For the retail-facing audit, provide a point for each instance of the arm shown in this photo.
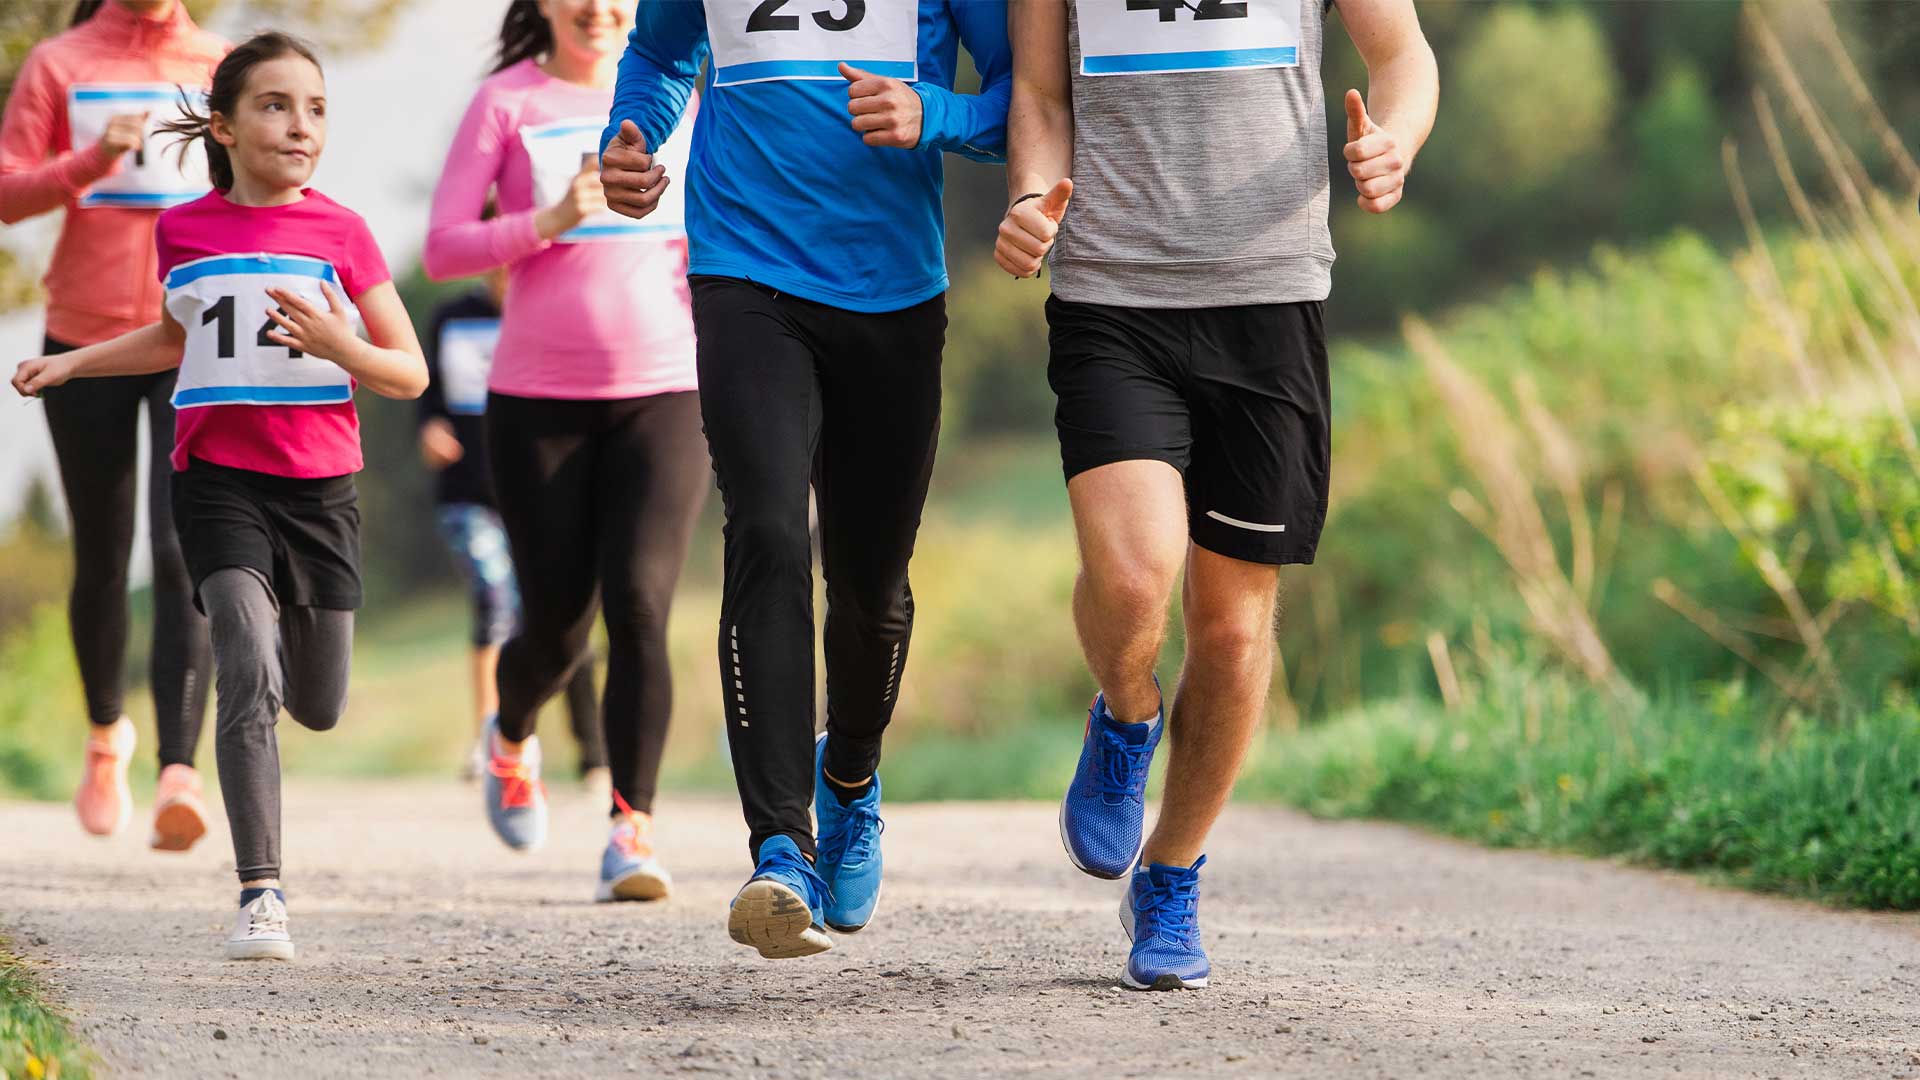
(1039, 137)
(33, 179)
(973, 125)
(1386, 131)
(138, 352)
(459, 244)
(389, 363)
(663, 58)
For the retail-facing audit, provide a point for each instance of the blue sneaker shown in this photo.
(515, 799)
(849, 857)
(778, 910)
(1102, 816)
(1161, 913)
(629, 870)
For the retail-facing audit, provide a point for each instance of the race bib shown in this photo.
(466, 358)
(768, 40)
(222, 302)
(559, 151)
(1152, 37)
(155, 176)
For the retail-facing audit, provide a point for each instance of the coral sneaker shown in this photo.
(104, 802)
(629, 870)
(179, 810)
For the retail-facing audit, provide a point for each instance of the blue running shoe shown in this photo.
(1101, 818)
(629, 869)
(1161, 913)
(778, 910)
(516, 800)
(849, 858)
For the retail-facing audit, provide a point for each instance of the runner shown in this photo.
(77, 136)
(819, 287)
(260, 275)
(460, 347)
(1192, 432)
(593, 426)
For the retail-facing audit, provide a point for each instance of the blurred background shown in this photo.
(1624, 553)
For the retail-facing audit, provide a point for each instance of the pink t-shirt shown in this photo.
(281, 440)
(581, 320)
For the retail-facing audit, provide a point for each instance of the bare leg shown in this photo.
(486, 687)
(1223, 692)
(1131, 519)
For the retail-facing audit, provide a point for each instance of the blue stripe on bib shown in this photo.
(264, 265)
(263, 395)
(1191, 61)
(809, 69)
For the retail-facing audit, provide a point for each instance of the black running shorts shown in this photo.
(1235, 398)
(301, 535)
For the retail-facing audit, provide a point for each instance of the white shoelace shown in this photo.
(266, 916)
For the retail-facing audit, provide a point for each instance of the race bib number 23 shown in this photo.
(1154, 37)
(769, 40)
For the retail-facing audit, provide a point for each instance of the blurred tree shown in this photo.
(1674, 132)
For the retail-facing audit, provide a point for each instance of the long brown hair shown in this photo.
(84, 10)
(525, 34)
(229, 82)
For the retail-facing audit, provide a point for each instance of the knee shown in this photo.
(762, 541)
(635, 619)
(1135, 584)
(1229, 640)
(316, 712)
(100, 578)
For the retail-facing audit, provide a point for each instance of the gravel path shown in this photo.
(1339, 950)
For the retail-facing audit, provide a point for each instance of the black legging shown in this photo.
(597, 494)
(95, 426)
(797, 393)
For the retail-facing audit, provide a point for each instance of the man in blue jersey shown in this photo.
(819, 296)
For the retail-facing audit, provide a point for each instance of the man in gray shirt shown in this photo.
(1171, 155)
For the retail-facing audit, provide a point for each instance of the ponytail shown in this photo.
(525, 34)
(84, 10)
(229, 83)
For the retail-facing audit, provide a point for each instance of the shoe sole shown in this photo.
(838, 929)
(1169, 981)
(639, 885)
(775, 920)
(259, 950)
(177, 826)
(1088, 870)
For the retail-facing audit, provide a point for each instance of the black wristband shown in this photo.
(1024, 198)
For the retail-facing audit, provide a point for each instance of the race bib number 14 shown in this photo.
(222, 302)
(155, 176)
(1153, 37)
(769, 40)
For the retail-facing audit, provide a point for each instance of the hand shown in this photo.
(1373, 157)
(439, 446)
(304, 328)
(632, 182)
(125, 134)
(583, 198)
(886, 112)
(1028, 231)
(35, 375)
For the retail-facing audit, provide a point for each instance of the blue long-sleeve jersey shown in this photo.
(781, 190)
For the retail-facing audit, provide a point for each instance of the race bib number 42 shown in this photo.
(1153, 37)
(155, 176)
(768, 40)
(229, 360)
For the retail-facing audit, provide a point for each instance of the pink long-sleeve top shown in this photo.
(103, 280)
(582, 320)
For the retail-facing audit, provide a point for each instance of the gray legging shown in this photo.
(265, 657)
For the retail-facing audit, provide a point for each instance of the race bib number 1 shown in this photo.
(1154, 37)
(155, 176)
(769, 40)
(229, 360)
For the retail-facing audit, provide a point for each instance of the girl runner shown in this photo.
(461, 339)
(76, 137)
(259, 276)
(593, 425)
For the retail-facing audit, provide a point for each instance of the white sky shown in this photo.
(393, 114)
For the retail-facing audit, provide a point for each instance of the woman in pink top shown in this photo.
(593, 423)
(77, 136)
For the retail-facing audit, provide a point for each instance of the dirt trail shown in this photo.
(1338, 951)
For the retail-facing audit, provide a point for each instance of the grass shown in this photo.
(36, 1041)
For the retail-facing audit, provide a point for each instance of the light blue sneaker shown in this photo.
(515, 799)
(1102, 816)
(1161, 914)
(778, 910)
(849, 856)
(629, 869)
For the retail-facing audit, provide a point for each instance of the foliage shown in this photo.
(41, 710)
(36, 1041)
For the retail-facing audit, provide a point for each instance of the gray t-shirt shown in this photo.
(1199, 180)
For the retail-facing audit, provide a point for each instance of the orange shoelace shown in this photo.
(517, 785)
(633, 840)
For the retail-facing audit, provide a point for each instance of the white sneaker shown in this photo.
(476, 763)
(260, 930)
